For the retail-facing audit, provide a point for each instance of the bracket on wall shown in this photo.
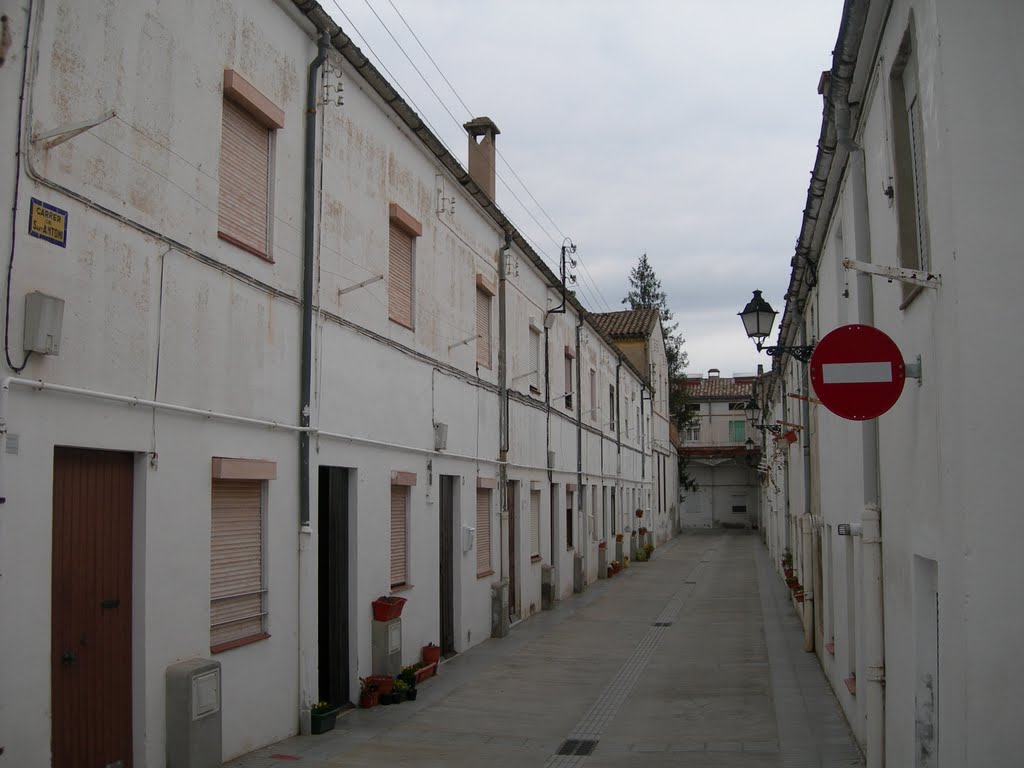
(59, 135)
(357, 286)
(899, 274)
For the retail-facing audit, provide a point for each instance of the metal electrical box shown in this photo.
(386, 647)
(194, 714)
(44, 318)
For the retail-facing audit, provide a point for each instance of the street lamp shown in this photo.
(758, 318)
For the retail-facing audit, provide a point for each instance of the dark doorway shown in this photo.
(332, 524)
(447, 562)
(512, 594)
(91, 624)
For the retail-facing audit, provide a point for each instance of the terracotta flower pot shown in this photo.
(387, 608)
(431, 653)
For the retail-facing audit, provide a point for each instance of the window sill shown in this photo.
(851, 685)
(485, 574)
(536, 558)
(402, 323)
(239, 244)
(231, 644)
(401, 587)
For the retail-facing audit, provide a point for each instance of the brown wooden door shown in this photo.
(447, 572)
(513, 595)
(91, 649)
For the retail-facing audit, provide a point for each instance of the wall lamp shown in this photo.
(751, 411)
(758, 318)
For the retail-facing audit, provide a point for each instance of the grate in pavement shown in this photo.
(577, 747)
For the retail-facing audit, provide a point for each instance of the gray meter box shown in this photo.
(44, 319)
(194, 714)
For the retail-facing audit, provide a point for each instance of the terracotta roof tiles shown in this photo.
(628, 323)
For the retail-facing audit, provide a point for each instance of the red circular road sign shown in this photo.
(857, 372)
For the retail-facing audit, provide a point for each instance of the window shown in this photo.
(535, 523)
(909, 171)
(237, 587)
(593, 394)
(399, 535)
(483, 532)
(483, 328)
(604, 513)
(737, 406)
(568, 519)
(535, 360)
(611, 407)
(484, 292)
(568, 382)
(404, 230)
(593, 511)
(243, 198)
(615, 522)
(737, 431)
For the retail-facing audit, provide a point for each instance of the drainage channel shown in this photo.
(586, 734)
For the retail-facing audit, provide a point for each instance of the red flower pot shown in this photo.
(425, 672)
(387, 608)
(367, 700)
(382, 684)
(432, 653)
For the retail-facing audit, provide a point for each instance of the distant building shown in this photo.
(719, 459)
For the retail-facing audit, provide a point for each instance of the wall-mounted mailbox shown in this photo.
(468, 538)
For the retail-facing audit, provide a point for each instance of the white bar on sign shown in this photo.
(856, 373)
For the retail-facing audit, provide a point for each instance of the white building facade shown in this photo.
(911, 228)
(279, 368)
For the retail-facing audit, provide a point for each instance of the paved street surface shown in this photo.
(692, 659)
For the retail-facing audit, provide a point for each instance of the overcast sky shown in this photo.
(685, 130)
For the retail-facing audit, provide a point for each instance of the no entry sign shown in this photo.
(857, 372)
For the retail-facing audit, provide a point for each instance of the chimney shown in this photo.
(714, 373)
(482, 132)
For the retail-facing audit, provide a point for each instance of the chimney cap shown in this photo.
(481, 126)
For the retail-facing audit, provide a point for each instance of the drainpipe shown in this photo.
(502, 404)
(308, 224)
(871, 518)
(307, 596)
(807, 521)
(584, 539)
(618, 437)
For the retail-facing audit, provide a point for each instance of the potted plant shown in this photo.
(386, 608)
(625, 561)
(322, 716)
(424, 670)
(368, 695)
(382, 684)
(400, 691)
(648, 549)
(616, 566)
(618, 537)
(639, 513)
(602, 544)
(431, 653)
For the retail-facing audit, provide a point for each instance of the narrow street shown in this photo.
(694, 658)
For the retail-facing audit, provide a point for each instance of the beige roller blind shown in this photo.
(243, 202)
(400, 276)
(483, 530)
(236, 561)
(399, 539)
(534, 522)
(483, 329)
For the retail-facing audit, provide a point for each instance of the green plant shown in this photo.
(408, 675)
(400, 686)
(321, 707)
(648, 549)
(787, 558)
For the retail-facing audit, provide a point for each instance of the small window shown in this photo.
(238, 612)
(483, 329)
(909, 163)
(737, 431)
(402, 234)
(483, 532)
(248, 122)
(611, 407)
(739, 509)
(534, 372)
(693, 433)
(535, 523)
(593, 394)
(568, 383)
(737, 406)
(399, 535)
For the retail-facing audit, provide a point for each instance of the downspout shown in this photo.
(807, 528)
(502, 402)
(618, 437)
(308, 224)
(547, 403)
(871, 517)
(307, 555)
(584, 546)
